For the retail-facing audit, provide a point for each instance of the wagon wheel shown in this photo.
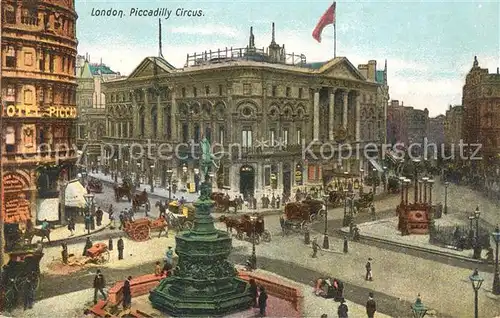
(141, 233)
(10, 299)
(104, 257)
(19, 282)
(313, 217)
(266, 236)
(304, 226)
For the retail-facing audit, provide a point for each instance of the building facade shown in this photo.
(91, 104)
(436, 130)
(38, 95)
(406, 124)
(453, 125)
(481, 106)
(260, 108)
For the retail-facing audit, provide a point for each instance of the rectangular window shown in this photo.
(185, 133)
(274, 91)
(288, 92)
(311, 172)
(285, 136)
(272, 137)
(247, 89)
(220, 90)
(197, 133)
(300, 92)
(207, 90)
(183, 92)
(226, 176)
(51, 63)
(267, 176)
(221, 135)
(299, 136)
(10, 57)
(11, 91)
(28, 97)
(246, 136)
(28, 59)
(195, 92)
(42, 62)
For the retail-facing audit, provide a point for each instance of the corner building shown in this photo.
(263, 105)
(38, 95)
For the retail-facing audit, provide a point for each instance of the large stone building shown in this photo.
(406, 124)
(263, 106)
(39, 96)
(481, 105)
(436, 130)
(91, 103)
(453, 125)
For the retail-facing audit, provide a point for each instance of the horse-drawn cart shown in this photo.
(246, 230)
(180, 216)
(364, 202)
(141, 200)
(299, 215)
(98, 253)
(140, 229)
(94, 185)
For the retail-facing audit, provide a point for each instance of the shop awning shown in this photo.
(48, 209)
(74, 195)
(376, 165)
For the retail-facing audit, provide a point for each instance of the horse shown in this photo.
(231, 223)
(140, 199)
(161, 225)
(162, 207)
(223, 203)
(122, 191)
(31, 232)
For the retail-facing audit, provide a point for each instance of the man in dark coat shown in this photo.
(64, 253)
(127, 293)
(343, 309)
(262, 301)
(278, 201)
(98, 215)
(29, 290)
(99, 284)
(88, 244)
(120, 246)
(253, 292)
(371, 306)
(346, 245)
(368, 268)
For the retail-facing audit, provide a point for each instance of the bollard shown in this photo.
(307, 238)
(110, 244)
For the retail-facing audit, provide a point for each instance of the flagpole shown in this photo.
(335, 33)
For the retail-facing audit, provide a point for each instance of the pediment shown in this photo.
(341, 68)
(151, 66)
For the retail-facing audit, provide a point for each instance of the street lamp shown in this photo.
(402, 181)
(116, 169)
(196, 178)
(184, 174)
(361, 170)
(374, 183)
(346, 221)
(477, 213)
(424, 180)
(89, 200)
(476, 281)
(418, 309)
(138, 181)
(496, 278)
(253, 258)
(169, 176)
(151, 183)
(446, 184)
(385, 178)
(430, 183)
(326, 243)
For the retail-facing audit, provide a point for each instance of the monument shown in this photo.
(204, 283)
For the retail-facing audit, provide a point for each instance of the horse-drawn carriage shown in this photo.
(98, 253)
(180, 216)
(364, 202)
(223, 203)
(140, 229)
(299, 215)
(94, 185)
(393, 184)
(124, 190)
(141, 200)
(245, 229)
(22, 266)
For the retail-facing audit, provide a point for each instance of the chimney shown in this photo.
(363, 69)
(402, 103)
(372, 69)
(498, 70)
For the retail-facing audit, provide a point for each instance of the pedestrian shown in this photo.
(324, 316)
(372, 209)
(45, 225)
(158, 271)
(315, 247)
(282, 224)
(87, 221)
(346, 245)
(71, 226)
(29, 290)
(371, 306)
(368, 267)
(120, 246)
(262, 301)
(92, 222)
(88, 244)
(122, 220)
(110, 244)
(64, 253)
(127, 293)
(343, 309)
(99, 284)
(253, 292)
(278, 201)
(98, 215)
(169, 256)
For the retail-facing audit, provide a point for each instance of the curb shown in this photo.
(76, 237)
(417, 248)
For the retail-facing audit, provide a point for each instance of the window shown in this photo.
(285, 136)
(185, 133)
(10, 15)
(28, 59)
(195, 92)
(247, 89)
(42, 62)
(197, 133)
(11, 90)
(299, 136)
(246, 136)
(221, 134)
(226, 176)
(220, 90)
(272, 136)
(267, 176)
(10, 139)
(207, 90)
(28, 97)
(288, 92)
(183, 92)
(274, 90)
(311, 173)
(300, 92)
(10, 58)
(51, 63)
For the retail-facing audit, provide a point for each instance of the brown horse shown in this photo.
(223, 203)
(141, 199)
(231, 223)
(31, 232)
(122, 191)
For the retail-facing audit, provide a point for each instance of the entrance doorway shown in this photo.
(287, 178)
(247, 180)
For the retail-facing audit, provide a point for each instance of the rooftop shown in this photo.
(99, 68)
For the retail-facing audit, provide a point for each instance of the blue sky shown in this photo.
(429, 45)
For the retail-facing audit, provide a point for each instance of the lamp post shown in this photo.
(137, 177)
(385, 178)
(326, 243)
(361, 172)
(477, 214)
(425, 180)
(116, 169)
(184, 171)
(418, 309)
(420, 190)
(169, 176)
(89, 200)
(476, 281)
(151, 179)
(196, 179)
(345, 222)
(253, 258)
(374, 182)
(430, 183)
(402, 181)
(126, 167)
(496, 278)
(407, 183)
(446, 184)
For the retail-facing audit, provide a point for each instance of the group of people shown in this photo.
(100, 284)
(259, 297)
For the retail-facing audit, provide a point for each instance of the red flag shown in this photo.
(327, 18)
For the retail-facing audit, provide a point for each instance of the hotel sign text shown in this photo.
(35, 112)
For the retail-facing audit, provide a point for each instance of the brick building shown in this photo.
(436, 130)
(406, 124)
(453, 125)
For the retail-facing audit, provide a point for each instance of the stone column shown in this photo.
(173, 114)
(316, 115)
(344, 113)
(128, 129)
(233, 135)
(160, 122)
(358, 116)
(331, 114)
(147, 115)
(135, 116)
